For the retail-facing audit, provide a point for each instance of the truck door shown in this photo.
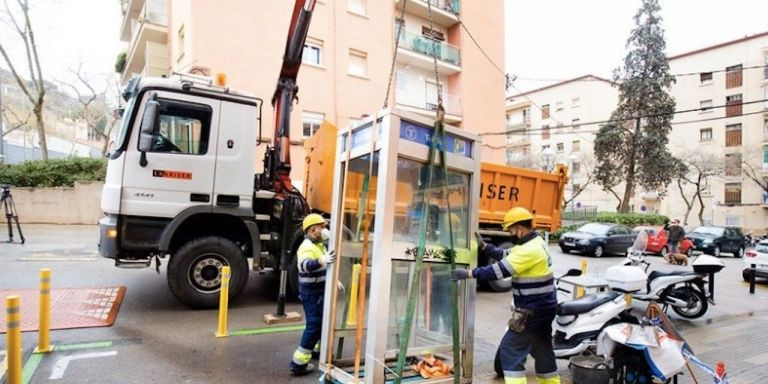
(179, 168)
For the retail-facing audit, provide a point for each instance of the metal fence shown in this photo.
(579, 214)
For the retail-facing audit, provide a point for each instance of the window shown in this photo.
(705, 106)
(765, 128)
(732, 193)
(183, 128)
(733, 105)
(543, 147)
(576, 167)
(733, 76)
(358, 63)
(576, 187)
(559, 106)
(733, 135)
(576, 146)
(705, 134)
(313, 52)
(765, 95)
(575, 123)
(765, 156)
(545, 133)
(527, 150)
(311, 121)
(433, 34)
(356, 6)
(575, 102)
(545, 111)
(560, 147)
(733, 164)
(402, 81)
(705, 77)
(732, 221)
(765, 68)
(527, 116)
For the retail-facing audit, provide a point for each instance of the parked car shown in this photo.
(758, 257)
(598, 239)
(715, 240)
(657, 239)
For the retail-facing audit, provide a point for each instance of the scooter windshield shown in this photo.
(640, 242)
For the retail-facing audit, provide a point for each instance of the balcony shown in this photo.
(417, 50)
(443, 11)
(146, 24)
(419, 102)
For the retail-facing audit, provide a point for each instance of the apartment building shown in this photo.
(728, 82)
(347, 58)
(546, 126)
(145, 29)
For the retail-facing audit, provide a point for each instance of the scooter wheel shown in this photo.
(697, 302)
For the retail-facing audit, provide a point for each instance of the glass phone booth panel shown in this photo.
(388, 177)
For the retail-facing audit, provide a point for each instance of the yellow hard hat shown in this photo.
(312, 219)
(516, 215)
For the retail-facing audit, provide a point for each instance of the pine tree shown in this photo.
(632, 147)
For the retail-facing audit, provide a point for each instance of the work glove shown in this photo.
(461, 274)
(480, 241)
(340, 286)
(328, 257)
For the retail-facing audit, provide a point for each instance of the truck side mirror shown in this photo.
(148, 127)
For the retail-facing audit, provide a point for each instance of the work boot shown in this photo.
(302, 370)
(315, 355)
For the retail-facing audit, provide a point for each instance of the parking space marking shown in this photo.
(61, 364)
(30, 366)
(3, 363)
(264, 330)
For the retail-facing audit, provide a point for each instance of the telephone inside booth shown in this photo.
(386, 183)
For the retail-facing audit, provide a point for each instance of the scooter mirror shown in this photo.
(573, 272)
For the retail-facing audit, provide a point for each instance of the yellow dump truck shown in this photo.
(501, 188)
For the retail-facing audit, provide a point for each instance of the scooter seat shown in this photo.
(585, 304)
(656, 274)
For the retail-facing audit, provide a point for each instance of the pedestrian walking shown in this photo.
(312, 257)
(675, 235)
(535, 298)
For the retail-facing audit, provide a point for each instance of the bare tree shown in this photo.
(749, 170)
(694, 171)
(94, 110)
(35, 92)
(586, 168)
(16, 120)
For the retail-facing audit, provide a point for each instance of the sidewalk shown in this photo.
(741, 342)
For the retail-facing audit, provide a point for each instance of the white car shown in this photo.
(759, 257)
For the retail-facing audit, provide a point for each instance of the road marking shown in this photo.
(61, 365)
(261, 331)
(31, 366)
(3, 363)
(56, 258)
(96, 344)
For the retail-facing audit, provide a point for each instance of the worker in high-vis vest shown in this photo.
(313, 259)
(535, 298)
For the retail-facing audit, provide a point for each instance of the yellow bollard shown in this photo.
(628, 299)
(44, 328)
(13, 338)
(223, 302)
(353, 288)
(580, 290)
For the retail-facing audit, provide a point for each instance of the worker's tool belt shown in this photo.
(520, 318)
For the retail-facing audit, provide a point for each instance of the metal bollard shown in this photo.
(13, 338)
(580, 290)
(44, 328)
(223, 302)
(354, 286)
(752, 278)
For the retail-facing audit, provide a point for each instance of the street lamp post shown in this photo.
(548, 154)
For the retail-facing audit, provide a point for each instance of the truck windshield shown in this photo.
(123, 131)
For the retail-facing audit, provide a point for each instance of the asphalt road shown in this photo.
(155, 339)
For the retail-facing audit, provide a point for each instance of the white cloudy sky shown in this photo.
(557, 39)
(564, 39)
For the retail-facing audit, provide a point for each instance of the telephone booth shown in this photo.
(381, 173)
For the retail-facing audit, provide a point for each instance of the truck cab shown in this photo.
(181, 183)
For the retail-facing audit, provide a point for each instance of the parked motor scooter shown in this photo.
(689, 293)
(579, 322)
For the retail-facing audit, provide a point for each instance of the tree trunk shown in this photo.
(688, 204)
(629, 189)
(38, 110)
(701, 210)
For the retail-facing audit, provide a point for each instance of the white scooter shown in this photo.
(687, 292)
(579, 322)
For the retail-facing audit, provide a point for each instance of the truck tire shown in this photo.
(194, 272)
(503, 285)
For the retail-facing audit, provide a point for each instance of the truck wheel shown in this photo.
(194, 272)
(503, 285)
